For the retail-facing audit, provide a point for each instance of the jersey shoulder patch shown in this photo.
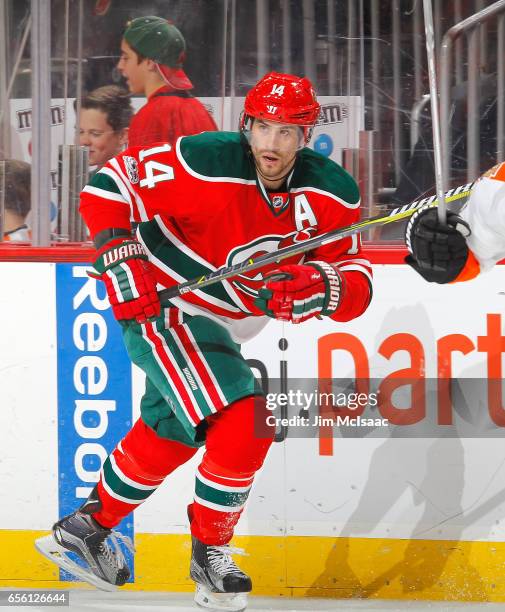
(216, 154)
(316, 171)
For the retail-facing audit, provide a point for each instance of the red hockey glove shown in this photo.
(131, 287)
(311, 289)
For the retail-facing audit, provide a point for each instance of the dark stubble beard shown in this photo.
(281, 177)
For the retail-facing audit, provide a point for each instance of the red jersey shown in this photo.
(201, 206)
(167, 115)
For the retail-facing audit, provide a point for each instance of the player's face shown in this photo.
(133, 71)
(97, 134)
(274, 146)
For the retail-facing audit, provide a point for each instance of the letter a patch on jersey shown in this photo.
(304, 215)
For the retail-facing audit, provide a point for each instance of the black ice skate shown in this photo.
(105, 565)
(220, 584)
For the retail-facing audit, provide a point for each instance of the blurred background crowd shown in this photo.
(122, 73)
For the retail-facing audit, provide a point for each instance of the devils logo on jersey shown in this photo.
(251, 282)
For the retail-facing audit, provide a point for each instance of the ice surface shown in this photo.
(127, 601)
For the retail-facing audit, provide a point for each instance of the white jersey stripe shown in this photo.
(218, 507)
(193, 370)
(365, 262)
(327, 194)
(115, 284)
(195, 361)
(217, 387)
(104, 194)
(195, 257)
(138, 200)
(123, 188)
(124, 266)
(172, 238)
(210, 299)
(356, 268)
(124, 478)
(176, 372)
(164, 370)
(221, 487)
(249, 479)
(126, 500)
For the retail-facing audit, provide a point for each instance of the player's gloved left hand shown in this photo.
(131, 287)
(438, 252)
(308, 290)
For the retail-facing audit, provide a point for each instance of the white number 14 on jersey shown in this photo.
(163, 172)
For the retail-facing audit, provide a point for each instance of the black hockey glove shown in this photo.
(438, 252)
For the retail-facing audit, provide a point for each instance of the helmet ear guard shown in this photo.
(307, 133)
(244, 122)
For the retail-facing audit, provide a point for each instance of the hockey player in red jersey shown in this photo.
(152, 56)
(209, 201)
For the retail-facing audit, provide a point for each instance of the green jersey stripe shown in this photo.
(135, 196)
(173, 261)
(222, 498)
(209, 372)
(198, 161)
(315, 303)
(224, 488)
(184, 248)
(165, 360)
(193, 371)
(192, 384)
(216, 506)
(104, 182)
(121, 488)
(122, 476)
(122, 188)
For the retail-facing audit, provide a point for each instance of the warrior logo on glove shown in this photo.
(303, 292)
(123, 266)
(126, 250)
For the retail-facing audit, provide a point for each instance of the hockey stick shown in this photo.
(435, 122)
(248, 265)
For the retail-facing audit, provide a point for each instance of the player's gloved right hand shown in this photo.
(301, 292)
(438, 252)
(131, 287)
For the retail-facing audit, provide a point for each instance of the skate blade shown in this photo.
(50, 548)
(230, 602)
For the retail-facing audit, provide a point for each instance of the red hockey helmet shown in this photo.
(283, 98)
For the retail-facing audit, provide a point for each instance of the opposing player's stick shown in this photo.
(435, 121)
(311, 243)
